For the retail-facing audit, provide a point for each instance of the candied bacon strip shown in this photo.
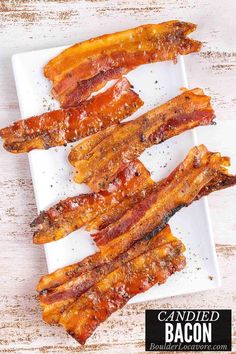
(100, 163)
(107, 254)
(112, 292)
(86, 67)
(113, 249)
(189, 180)
(68, 125)
(197, 157)
(55, 300)
(221, 181)
(109, 216)
(95, 261)
(72, 213)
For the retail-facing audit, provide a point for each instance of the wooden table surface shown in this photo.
(29, 25)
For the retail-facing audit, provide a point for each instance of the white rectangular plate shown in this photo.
(52, 174)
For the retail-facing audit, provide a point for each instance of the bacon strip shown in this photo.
(86, 67)
(118, 287)
(83, 295)
(72, 213)
(100, 162)
(201, 173)
(98, 211)
(194, 177)
(68, 125)
(54, 301)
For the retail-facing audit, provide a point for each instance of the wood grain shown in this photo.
(29, 25)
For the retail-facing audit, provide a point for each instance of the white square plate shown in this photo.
(52, 174)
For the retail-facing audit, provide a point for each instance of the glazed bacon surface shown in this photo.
(63, 126)
(87, 66)
(118, 287)
(200, 173)
(56, 299)
(98, 160)
(94, 209)
(144, 260)
(136, 251)
(100, 211)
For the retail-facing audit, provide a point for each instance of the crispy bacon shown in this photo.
(98, 211)
(201, 173)
(101, 211)
(72, 213)
(197, 175)
(68, 125)
(118, 287)
(86, 67)
(138, 254)
(54, 301)
(104, 158)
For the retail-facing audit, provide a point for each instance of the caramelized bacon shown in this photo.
(54, 301)
(197, 175)
(72, 213)
(86, 67)
(101, 211)
(141, 251)
(114, 211)
(103, 158)
(118, 287)
(68, 125)
(201, 173)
